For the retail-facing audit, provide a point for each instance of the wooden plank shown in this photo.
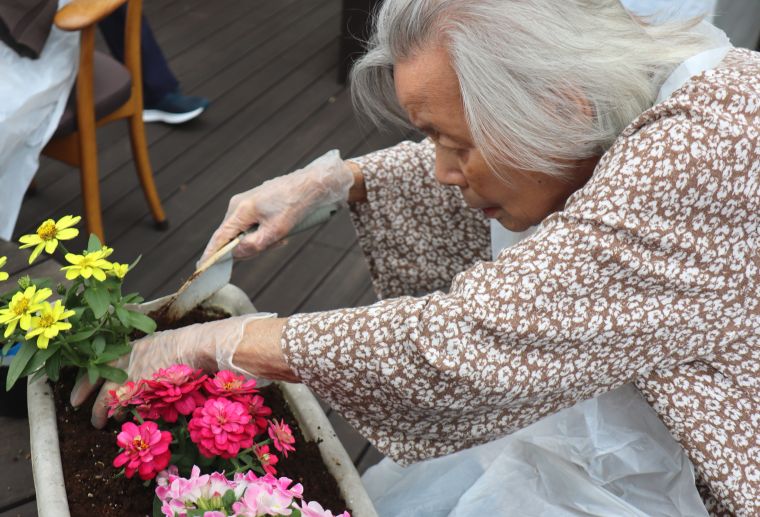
(352, 441)
(341, 287)
(16, 481)
(370, 457)
(205, 199)
(25, 510)
(262, 67)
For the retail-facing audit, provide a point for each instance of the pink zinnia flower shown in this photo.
(128, 394)
(281, 436)
(314, 509)
(174, 391)
(230, 385)
(266, 458)
(221, 427)
(145, 449)
(259, 412)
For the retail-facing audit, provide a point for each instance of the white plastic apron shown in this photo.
(608, 456)
(33, 94)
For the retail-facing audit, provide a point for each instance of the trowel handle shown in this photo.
(318, 216)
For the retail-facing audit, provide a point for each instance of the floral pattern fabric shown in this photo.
(649, 275)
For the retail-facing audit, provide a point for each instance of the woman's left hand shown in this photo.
(208, 346)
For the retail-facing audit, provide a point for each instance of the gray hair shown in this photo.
(543, 82)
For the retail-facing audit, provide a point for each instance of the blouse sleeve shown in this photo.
(415, 233)
(649, 266)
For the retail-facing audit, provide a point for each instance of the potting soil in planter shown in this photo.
(92, 484)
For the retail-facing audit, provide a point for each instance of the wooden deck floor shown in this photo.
(270, 71)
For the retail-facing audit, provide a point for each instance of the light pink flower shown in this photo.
(174, 391)
(178, 495)
(230, 385)
(314, 509)
(145, 449)
(262, 498)
(221, 428)
(128, 394)
(281, 436)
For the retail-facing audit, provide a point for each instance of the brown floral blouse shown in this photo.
(649, 275)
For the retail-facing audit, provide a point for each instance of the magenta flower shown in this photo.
(231, 385)
(221, 427)
(266, 458)
(259, 412)
(128, 394)
(174, 391)
(281, 436)
(145, 449)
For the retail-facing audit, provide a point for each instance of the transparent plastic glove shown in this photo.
(209, 346)
(279, 204)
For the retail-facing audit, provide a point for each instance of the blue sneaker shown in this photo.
(175, 108)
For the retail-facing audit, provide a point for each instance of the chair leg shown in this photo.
(91, 186)
(144, 170)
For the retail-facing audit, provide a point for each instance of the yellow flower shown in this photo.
(22, 306)
(49, 323)
(92, 264)
(119, 270)
(3, 274)
(48, 235)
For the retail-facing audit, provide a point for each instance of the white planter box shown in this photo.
(46, 457)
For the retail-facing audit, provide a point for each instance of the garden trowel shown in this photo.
(215, 272)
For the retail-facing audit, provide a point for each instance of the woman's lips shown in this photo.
(491, 211)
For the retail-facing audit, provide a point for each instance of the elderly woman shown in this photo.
(632, 153)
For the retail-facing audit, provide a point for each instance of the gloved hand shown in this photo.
(279, 204)
(209, 346)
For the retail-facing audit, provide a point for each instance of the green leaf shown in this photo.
(39, 359)
(80, 336)
(92, 373)
(98, 345)
(133, 298)
(123, 315)
(157, 507)
(142, 322)
(94, 243)
(23, 356)
(98, 299)
(53, 367)
(228, 498)
(246, 458)
(295, 513)
(7, 346)
(112, 374)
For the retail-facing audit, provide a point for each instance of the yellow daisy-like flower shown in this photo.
(3, 274)
(48, 235)
(92, 264)
(49, 323)
(119, 270)
(21, 307)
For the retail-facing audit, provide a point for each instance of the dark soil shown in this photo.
(92, 484)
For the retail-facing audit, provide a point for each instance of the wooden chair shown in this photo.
(105, 91)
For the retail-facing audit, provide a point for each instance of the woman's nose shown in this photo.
(447, 169)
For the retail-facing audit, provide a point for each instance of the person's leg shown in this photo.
(158, 79)
(162, 99)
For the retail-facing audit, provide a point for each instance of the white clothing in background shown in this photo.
(33, 94)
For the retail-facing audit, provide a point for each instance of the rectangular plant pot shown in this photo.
(46, 456)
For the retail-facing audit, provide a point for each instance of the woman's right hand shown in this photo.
(279, 204)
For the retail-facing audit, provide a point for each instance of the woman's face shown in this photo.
(428, 89)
